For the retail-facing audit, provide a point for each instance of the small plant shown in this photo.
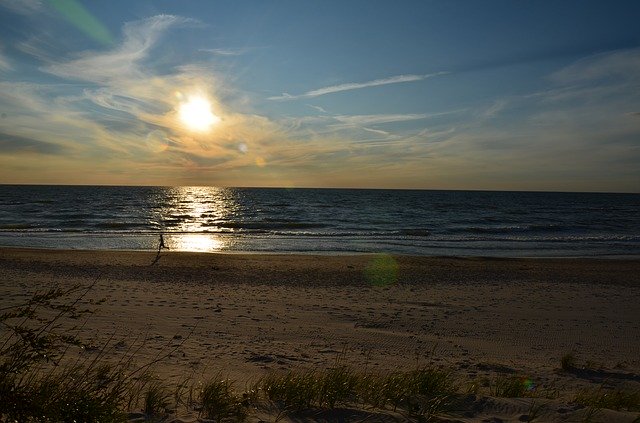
(156, 400)
(372, 390)
(534, 411)
(292, 390)
(428, 392)
(220, 402)
(511, 387)
(337, 385)
(183, 393)
(568, 362)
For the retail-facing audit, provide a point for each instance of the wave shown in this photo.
(267, 225)
(509, 229)
(416, 232)
(16, 226)
(119, 225)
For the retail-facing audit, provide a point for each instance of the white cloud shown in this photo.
(623, 64)
(495, 108)
(357, 85)
(318, 108)
(225, 51)
(357, 120)
(103, 67)
(378, 119)
(4, 63)
(377, 131)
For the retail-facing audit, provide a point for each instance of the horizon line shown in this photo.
(326, 188)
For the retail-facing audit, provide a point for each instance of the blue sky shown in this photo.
(530, 95)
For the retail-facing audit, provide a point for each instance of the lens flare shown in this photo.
(382, 271)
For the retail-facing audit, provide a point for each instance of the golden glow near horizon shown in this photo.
(196, 113)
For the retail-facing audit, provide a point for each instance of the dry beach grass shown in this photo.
(498, 327)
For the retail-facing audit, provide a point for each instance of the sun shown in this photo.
(196, 114)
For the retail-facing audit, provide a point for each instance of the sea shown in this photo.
(324, 221)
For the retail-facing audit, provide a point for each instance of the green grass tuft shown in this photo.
(292, 390)
(219, 402)
(422, 393)
(157, 400)
(510, 387)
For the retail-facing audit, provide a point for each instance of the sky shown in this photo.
(491, 95)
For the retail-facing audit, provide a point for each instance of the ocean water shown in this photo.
(327, 221)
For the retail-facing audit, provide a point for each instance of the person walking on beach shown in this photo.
(160, 247)
(162, 244)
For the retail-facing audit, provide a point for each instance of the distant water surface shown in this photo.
(468, 223)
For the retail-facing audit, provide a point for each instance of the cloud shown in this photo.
(110, 117)
(4, 63)
(378, 119)
(318, 108)
(12, 144)
(114, 119)
(104, 67)
(356, 86)
(377, 131)
(493, 110)
(621, 64)
(23, 7)
(225, 51)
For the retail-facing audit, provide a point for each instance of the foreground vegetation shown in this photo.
(39, 382)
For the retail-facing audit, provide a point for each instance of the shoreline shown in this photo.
(246, 315)
(346, 253)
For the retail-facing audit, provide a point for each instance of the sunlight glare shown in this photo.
(196, 114)
(200, 243)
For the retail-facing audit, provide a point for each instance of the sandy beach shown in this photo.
(243, 315)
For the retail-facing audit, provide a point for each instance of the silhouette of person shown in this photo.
(162, 244)
(160, 247)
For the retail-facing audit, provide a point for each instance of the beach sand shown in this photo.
(243, 315)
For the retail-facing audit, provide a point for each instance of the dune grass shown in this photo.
(510, 387)
(48, 374)
(612, 399)
(423, 392)
(157, 399)
(219, 401)
(34, 385)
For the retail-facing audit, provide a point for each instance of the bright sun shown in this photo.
(196, 114)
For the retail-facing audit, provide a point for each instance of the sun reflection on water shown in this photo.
(201, 243)
(192, 218)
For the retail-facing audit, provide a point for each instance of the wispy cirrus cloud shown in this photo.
(620, 64)
(318, 108)
(123, 61)
(388, 118)
(398, 79)
(225, 51)
(24, 7)
(4, 63)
